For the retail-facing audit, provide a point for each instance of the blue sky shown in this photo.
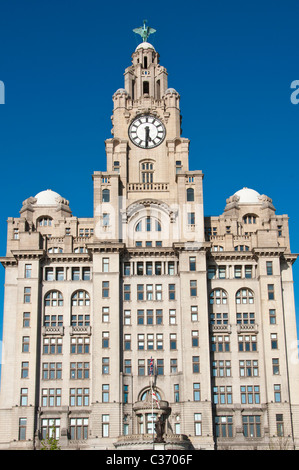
(232, 63)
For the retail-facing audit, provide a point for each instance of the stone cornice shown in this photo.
(105, 247)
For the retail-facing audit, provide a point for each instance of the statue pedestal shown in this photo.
(159, 446)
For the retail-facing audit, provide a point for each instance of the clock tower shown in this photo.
(147, 157)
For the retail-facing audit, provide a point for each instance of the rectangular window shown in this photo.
(194, 313)
(141, 367)
(197, 424)
(105, 314)
(279, 425)
(140, 268)
(159, 317)
(127, 269)
(86, 274)
(25, 344)
(105, 265)
(158, 291)
(79, 428)
(272, 316)
(277, 393)
(105, 339)
(195, 364)
(211, 272)
(105, 289)
(75, 274)
(105, 365)
(195, 339)
(59, 274)
(173, 341)
(224, 426)
(275, 366)
(27, 295)
(192, 263)
(140, 342)
(171, 291)
(238, 272)
(140, 292)
(176, 393)
(149, 292)
(222, 272)
(149, 317)
(25, 370)
(127, 317)
(196, 392)
(269, 266)
(105, 425)
(160, 366)
(172, 317)
(248, 272)
(251, 426)
(140, 317)
(149, 268)
(128, 366)
(106, 220)
(193, 288)
(26, 319)
(127, 291)
(24, 397)
(105, 393)
(28, 270)
(191, 218)
(22, 429)
(270, 291)
(274, 342)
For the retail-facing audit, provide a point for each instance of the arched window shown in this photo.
(146, 88)
(44, 222)
(249, 219)
(147, 395)
(218, 297)
(55, 249)
(148, 224)
(244, 296)
(242, 248)
(106, 195)
(54, 298)
(190, 194)
(80, 298)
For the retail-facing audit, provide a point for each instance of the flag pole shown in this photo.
(153, 415)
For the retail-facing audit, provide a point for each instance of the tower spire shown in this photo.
(144, 31)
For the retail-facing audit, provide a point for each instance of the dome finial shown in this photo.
(144, 31)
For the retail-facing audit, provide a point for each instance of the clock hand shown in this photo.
(147, 136)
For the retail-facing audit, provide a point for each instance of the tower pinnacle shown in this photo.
(144, 31)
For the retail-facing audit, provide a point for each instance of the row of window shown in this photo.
(150, 341)
(81, 370)
(149, 292)
(150, 268)
(247, 368)
(239, 271)
(149, 317)
(147, 268)
(249, 395)
(224, 426)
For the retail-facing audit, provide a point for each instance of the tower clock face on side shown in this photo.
(147, 132)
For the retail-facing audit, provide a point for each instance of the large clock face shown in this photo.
(147, 132)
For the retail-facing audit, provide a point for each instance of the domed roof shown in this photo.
(144, 45)
(47, 198)
(170, 90)
(248, 196)
(121, 91)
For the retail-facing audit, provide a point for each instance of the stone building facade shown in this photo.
(149, 313)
